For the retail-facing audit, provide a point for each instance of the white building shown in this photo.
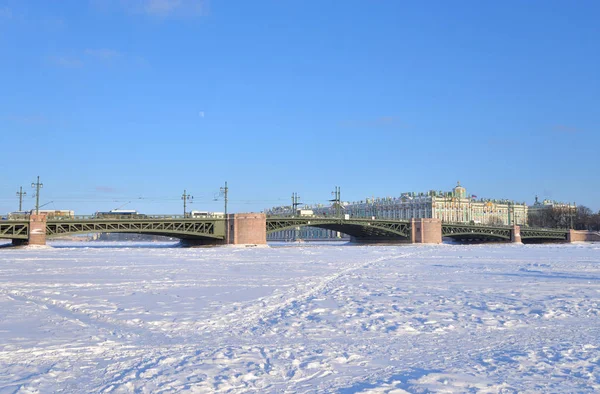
(454, 207)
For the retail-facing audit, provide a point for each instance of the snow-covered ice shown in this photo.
(306, 319)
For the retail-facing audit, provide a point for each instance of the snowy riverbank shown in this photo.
(347, 319)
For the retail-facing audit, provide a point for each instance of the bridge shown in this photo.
(420, 230)
(235, 229)
(253, 228)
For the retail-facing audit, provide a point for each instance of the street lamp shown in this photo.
(224, 191)
(38, 186)
(185, 197)
(336, 200)
(295, 203)
(21, 193)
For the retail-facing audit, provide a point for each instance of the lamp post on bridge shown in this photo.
(38, 186)
(185, 197)
(224, 191)
(21, 193)
(336, 200)
(295, 203)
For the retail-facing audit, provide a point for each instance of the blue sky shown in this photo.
(112, 101)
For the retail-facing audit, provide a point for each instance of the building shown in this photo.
(455, 206)
(549, 213)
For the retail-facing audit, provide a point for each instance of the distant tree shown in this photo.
(595, 222)
(583, 218)
(553, 217)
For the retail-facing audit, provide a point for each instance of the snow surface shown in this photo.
(305, 319)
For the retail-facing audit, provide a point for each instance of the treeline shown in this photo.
(583, 218)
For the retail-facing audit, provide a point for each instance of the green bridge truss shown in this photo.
(465, 232)
(382, 228)
(210, 228)
(14, 229)
(214, 228)
(541, 234)
(355, 227)
(179, 228)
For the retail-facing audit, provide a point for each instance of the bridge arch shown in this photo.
(469, 233)
(358, 229)
(209, 230)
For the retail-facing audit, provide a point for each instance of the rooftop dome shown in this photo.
(459, 191)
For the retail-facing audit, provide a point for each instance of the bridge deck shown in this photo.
(214, 227)
(185, 228)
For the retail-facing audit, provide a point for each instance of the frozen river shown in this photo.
(315, 319)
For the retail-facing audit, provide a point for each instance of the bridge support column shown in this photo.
(37, 230)
(426, 231)
(582, 236)
(246, 229)
(515, 234)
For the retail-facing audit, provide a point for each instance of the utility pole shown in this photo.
(295, 203)
(336, 200)
(21, 193)
(37, 186)
(185, 197)
(224, 191)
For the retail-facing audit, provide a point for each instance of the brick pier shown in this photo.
(426, 231)
(37, 232)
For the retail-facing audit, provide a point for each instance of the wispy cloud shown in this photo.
(91, 56)
(161, 7)
(102, 54)
(53, 24)
(66, 61)
(382, 121)
(34, 119)
(105, 189)
(158, 8)
(499, 142)
(26, 119)
(5, 13)
(563, 129)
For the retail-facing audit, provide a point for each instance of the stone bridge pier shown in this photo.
(37, 231)
(248, 229)
(426, 231)
(582, 236)
(515, 234)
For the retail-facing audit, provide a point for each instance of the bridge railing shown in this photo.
(522, 226)
(137, 217)
(112, 217)
(544, 228)
(333, 217)
(15, 217)
(476, 224)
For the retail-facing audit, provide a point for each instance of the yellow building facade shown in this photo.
(451, 207)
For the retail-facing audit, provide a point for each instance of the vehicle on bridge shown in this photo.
(204, 214)
(198, 214)
(16, 215)
(55, 213)
(119, 214)
(304, 212)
